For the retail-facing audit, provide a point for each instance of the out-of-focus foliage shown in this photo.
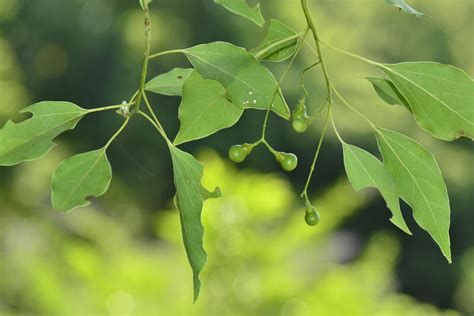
(123, 256)
(263, 260)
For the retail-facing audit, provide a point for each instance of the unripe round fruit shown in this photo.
(312, 216)
(299, 125)
(287, 161)
(297, 115)
(237, 153)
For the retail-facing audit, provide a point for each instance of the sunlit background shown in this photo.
(123, 255)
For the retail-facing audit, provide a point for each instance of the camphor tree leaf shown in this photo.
(387, 91)
(79, 177)
(248, 83)
(204, 109)
(32, 138)
(242, 8)
(364, 170)
(420, 184)
(190, 195)
(440, 96)
(277, 31)
(402, 5)
(170, 83)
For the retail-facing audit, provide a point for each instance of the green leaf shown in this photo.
(190, 195)
(387, 91)
(420, 184)
(441, 97)
(402, 5)
(204, 109)
(277, 31)
(80, 177)
(32, 138)
(240, 7)
(170, 83)
(248, 83)
(364, 170)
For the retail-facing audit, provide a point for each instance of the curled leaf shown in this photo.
(402, 5)
(277, 31)
(241, 7)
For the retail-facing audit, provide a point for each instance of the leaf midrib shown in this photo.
(36, 136)
(429, 93)
(229, 74)
(416, 183)
(83, 178)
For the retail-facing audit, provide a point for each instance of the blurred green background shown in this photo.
(123, 255)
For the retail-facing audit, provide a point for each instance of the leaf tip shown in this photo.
(197, 287)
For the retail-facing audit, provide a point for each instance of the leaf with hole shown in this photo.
(204, 109)
(190, 195)
(419, 183)
(80, 177)
(248, 83)
(32, 138)
(170, 83)
(402, 5)
(364, 171)
(440, 96)
(387, 91)
(277, 31)
(241, 7)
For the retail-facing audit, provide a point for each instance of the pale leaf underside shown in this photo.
(241, 7)
(420, 184)
(440, 96)
(364, 170)
(190, 195)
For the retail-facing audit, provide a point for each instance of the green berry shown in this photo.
(297, 115)
(287, 161)
(299, 125)
(312, 216)
(237, 153)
